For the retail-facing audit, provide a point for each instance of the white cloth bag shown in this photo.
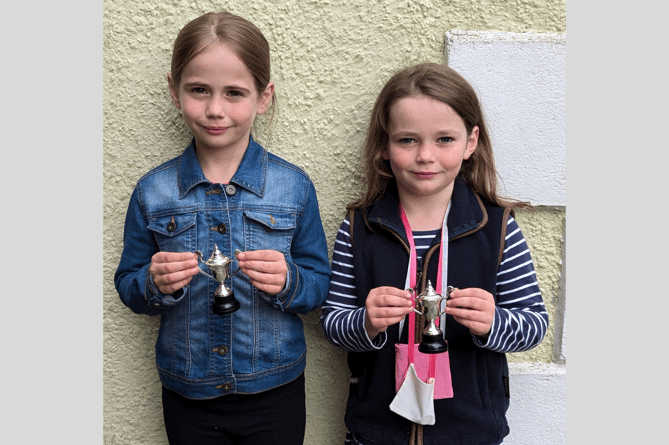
(415, 399)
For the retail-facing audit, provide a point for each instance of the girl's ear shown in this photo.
(472, 142)
(265, 98)
(174, 91)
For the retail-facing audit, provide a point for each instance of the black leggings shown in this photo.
(277, 417)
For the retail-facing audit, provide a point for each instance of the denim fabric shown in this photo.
(269, 204)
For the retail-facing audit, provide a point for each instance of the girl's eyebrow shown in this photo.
(196, 83)
(235, 87)
(403, 132)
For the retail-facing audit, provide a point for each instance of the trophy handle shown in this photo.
(205, 273)
(413, 297)
(235, 253)
(448, 295)
(199, 255)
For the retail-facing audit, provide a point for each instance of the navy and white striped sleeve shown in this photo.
(521, 319)
(343, 322)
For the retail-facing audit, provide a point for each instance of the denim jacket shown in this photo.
(268, 204)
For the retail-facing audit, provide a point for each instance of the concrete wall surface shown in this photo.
(329, 61)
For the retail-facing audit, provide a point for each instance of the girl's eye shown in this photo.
(406, 140)
(235, 93)
(445, 140)
(199, 90)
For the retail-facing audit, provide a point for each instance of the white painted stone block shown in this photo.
(521, 80)
(537, 414)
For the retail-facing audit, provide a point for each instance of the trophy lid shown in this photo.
(429, 293)
(217, 258)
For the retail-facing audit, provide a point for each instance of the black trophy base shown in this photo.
(224, 305)
(433, 344)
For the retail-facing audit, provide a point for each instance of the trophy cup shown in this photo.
(433, 339)
(224, 298)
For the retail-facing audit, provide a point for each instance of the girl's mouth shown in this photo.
(425, 175)
(215, 130)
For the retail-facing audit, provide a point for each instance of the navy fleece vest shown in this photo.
(476, 413)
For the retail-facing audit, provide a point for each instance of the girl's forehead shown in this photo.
(420, 106)
(217, 61)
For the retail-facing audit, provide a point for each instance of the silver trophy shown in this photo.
(219, 265)
(433, 338)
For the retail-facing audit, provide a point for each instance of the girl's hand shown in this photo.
(173, 270)
(473, 308)
(267, 269)
(385, 306)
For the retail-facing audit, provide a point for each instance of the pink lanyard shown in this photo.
(413, 266)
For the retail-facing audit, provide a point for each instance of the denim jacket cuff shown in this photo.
(155, 298)
(279, 300)
(285, 297)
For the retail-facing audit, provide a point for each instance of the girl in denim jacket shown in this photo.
(235, 377)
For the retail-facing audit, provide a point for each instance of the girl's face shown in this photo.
(218, 99)
(427, 143)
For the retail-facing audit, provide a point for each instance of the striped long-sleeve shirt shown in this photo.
(520, 320)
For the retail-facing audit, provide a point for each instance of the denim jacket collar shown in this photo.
(467, 213)
(251, 173)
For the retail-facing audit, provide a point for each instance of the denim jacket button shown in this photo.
(226, 386)
(230, 189)
(222, 350)
(221, 229)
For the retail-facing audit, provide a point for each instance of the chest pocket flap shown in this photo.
(273, 221)
(172, 225)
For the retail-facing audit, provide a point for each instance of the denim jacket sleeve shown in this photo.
(133, 282)
(308, 275)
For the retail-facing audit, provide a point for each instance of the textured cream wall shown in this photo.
(329, 60)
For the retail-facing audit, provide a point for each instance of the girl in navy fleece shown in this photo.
(430, 174)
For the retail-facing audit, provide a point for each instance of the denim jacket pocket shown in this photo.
(270, 230)
(175, 233)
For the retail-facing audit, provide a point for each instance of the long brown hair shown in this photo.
(245, 39)
(445, 85)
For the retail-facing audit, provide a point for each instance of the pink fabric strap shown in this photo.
(413, 266)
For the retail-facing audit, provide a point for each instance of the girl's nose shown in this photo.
(425, 153)
(215, 108)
